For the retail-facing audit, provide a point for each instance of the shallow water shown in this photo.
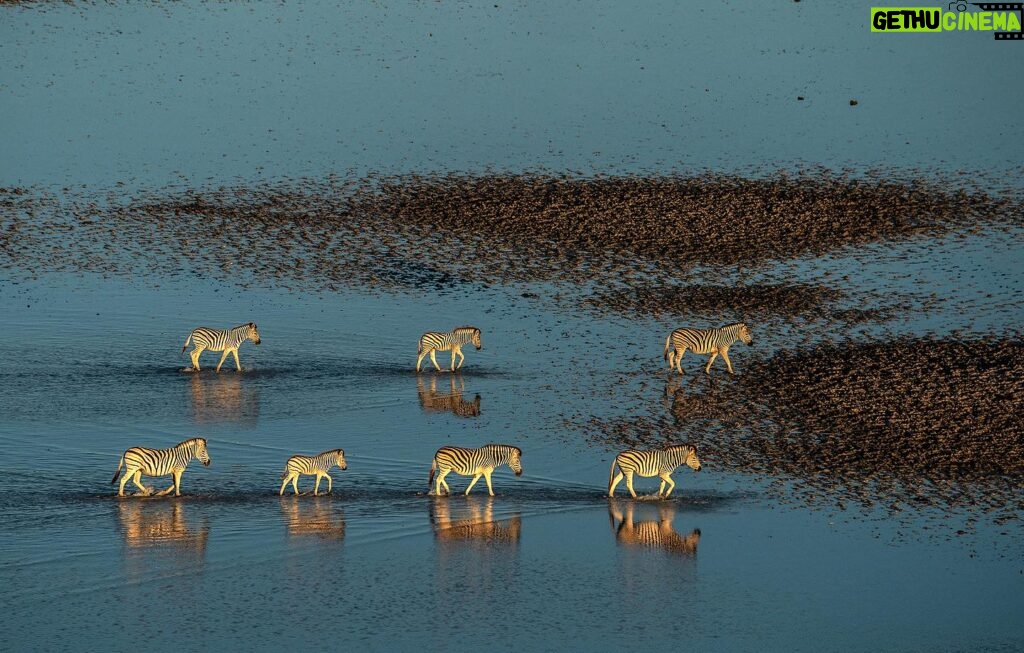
(132, 97)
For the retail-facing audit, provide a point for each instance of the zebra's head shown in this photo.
(200, 452)
(476, 339)
(692, 461)
(253, 334)
(745, 335)
(514, 460)
(339, 459)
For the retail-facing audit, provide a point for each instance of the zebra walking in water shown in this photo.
(434, 341)
(652, 462)
(220, 340)
(473, 462)
(310, 465)
(160, 462)
(705, 341)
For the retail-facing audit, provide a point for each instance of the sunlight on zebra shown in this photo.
(472, 462)
(705, 341)
(652, 462)
(434, 341)
(317, 465)
(220, 340)
(139, 461)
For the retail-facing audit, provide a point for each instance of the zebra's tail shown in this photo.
(668, 340)
(120, 464)
(611, 473)
(430, 479)
(187, 340)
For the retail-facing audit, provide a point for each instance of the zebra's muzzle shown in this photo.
(698, 468)
(519, 473)
(206, 463)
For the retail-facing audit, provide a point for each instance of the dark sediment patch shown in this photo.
(918, 422)
(444, 230)
(758, 301)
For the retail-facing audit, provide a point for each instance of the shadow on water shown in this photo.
(449, 399)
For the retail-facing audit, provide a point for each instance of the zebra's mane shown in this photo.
(674, 445)
(192, 441)
(734, 324)
(465, 328)
(244, 326)
(503, 446)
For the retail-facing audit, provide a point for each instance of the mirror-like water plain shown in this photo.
(108, 108)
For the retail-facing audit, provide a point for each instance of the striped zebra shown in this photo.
(310, 465)
(220, 340)
(652, 462)
(473, 462)
(434, 341)
(159, 462)
(705, 341)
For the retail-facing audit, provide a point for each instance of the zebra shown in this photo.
(159, 462)
(705, 341)
(652, 462)
(434, 341)
(473, 462)
(318, 465)
(650, 533)
(220, 340)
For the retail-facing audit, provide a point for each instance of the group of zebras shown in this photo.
(481, 462)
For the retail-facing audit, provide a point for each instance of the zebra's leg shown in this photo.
(455, 350)
(667, 478)
(679, 359)
(420, 360)
(284, 484)
(137, 479)
(316, 486)
(124, 479)
(629, 484)
(714, 355)
(439, 483)
(238, 366)
(476, 477)
(195, 357)
(295, 483)
(725, 357)
(661, 488)
(615, 482)
(487, 477)
(462, 357)
(434, 360)
(330, 487)
(223, 356)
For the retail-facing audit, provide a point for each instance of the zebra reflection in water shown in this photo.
(451, 401)
(158, 523)
(313, 517)
(650, 533)
(224, 398)
(472, 520)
